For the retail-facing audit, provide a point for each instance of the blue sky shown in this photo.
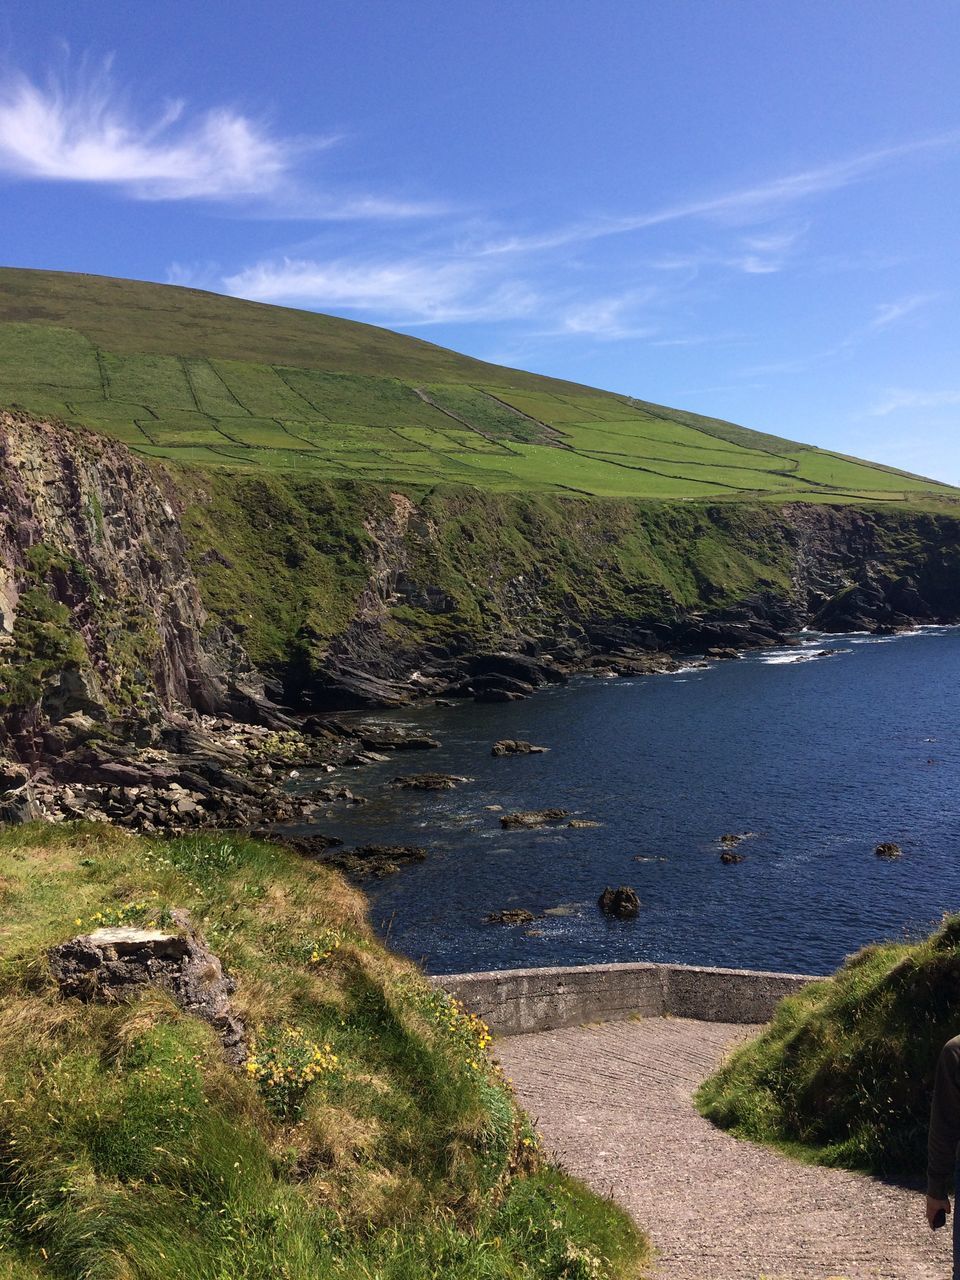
(740, 207)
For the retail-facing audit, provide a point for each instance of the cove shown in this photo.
(819, 758)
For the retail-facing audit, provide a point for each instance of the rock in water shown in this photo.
(534, 818)
(113, 964)
(375, 860)
(512, 747)
(887, 849)
(730, 859)
(427, 781)
(514, 915)
(624, 903)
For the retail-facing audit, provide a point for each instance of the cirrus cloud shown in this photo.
(85, 133)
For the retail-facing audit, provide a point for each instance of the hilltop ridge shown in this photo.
(220, 382)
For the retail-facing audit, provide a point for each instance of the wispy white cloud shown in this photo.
(81, 128)
(899, 398)
(86, 133)
(888, 313)
(884, 316)
(740, 206)
(610, 318)
(417, 290)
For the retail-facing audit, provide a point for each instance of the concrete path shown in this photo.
(613, 1102)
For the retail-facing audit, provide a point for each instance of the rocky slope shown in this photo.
(135, 597)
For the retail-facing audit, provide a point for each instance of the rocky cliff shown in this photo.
(100, 613)
(140, 592)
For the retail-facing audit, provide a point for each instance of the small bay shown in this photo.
(818, 758)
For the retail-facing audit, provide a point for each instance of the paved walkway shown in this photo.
(613, 1102)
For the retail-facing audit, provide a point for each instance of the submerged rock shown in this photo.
(730, 859)
(515, 747)
(623, 903)
(533, 818)
(513, 915)
(581, 824)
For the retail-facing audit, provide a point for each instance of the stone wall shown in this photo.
(511, 1001)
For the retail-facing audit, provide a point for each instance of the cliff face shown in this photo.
(100, 612)
(127, 590)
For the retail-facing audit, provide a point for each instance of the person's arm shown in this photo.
(944, 1132)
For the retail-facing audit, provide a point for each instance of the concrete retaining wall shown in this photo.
(511, 1001)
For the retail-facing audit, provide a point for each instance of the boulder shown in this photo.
(623, 903)
(19, 804)
(729, 859)
(115, 964)
(499, 695)
(366, 757)
(329, 794)
(515, 747)
(533, 818)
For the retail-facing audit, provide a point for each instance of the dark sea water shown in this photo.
(820, 758)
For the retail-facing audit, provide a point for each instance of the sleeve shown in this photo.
(944, 1133)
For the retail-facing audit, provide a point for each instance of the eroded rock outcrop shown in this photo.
(114, 964)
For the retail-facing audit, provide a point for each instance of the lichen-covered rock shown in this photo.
(114, 964)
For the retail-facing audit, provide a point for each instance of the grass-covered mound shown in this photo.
(844, 1073)
(369, 1134)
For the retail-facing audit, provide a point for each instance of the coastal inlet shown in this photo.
(815, 755)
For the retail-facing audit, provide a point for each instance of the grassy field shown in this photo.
(844, 1073)
(222, 383)
(129, 1149)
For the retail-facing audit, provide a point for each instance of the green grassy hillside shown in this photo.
(218, 382)
(844, 1073)
(369, 1137)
